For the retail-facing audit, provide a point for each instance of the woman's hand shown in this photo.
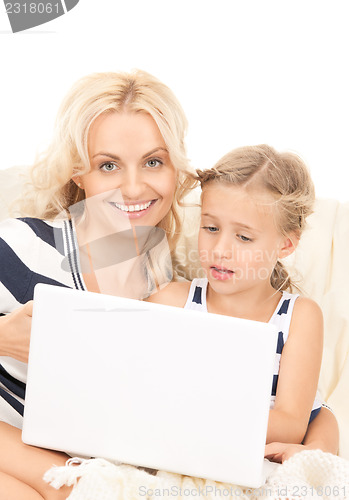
(15, 332)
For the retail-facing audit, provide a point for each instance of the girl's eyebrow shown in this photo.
(233, 223)
(245, 226)
(117, 158)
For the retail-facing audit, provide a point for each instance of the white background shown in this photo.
(246, 72)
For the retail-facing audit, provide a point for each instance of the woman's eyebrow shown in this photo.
(154, 151)
(109, 155)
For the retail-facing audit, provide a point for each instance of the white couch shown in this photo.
(322, 263)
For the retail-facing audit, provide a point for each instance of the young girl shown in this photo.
(118, 154)
(254, 205)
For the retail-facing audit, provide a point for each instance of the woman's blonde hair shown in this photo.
(284, 175)
(51, 190)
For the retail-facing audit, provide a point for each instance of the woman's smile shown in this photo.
(134, 210)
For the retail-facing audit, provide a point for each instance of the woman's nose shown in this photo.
(132, 185)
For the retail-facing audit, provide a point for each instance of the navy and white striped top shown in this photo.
(280, 318)
(31, 251)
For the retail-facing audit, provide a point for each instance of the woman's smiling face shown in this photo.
(130, 162)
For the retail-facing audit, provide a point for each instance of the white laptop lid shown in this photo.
(149, 385)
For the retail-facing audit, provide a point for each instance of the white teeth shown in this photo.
(223, 271)
(133, 208)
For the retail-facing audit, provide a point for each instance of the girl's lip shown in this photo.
(221, 273)
(133, 210)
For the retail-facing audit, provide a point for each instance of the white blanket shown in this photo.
(307, 475)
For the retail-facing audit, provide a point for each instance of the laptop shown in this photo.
(149, 385)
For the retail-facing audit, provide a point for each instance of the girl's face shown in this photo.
(131, 171)
(239, 243)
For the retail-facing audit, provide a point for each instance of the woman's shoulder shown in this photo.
(29, 239)
(173, 294)
(18, 223)
(31, 252)
(18, 230)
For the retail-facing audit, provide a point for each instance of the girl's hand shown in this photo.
(279, 452)
(15, 332)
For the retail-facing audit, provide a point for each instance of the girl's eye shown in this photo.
(210, 229)
(243, 238)
(108, 167)
(152, 163)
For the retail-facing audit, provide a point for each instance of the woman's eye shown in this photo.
(154, 163)
(108, 167)
(210, 229)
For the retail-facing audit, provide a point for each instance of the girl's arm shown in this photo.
(322, 434)
(298, 375)
(15, 332)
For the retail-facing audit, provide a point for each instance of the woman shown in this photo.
(116, 168)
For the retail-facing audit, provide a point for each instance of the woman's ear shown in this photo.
(77, 181)
(288, 245)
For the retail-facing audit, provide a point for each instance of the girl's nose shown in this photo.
(223, 248)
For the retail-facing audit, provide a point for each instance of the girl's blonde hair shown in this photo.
(283, 175)
(51, 190)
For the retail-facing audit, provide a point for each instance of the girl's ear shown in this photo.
(288, 245)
